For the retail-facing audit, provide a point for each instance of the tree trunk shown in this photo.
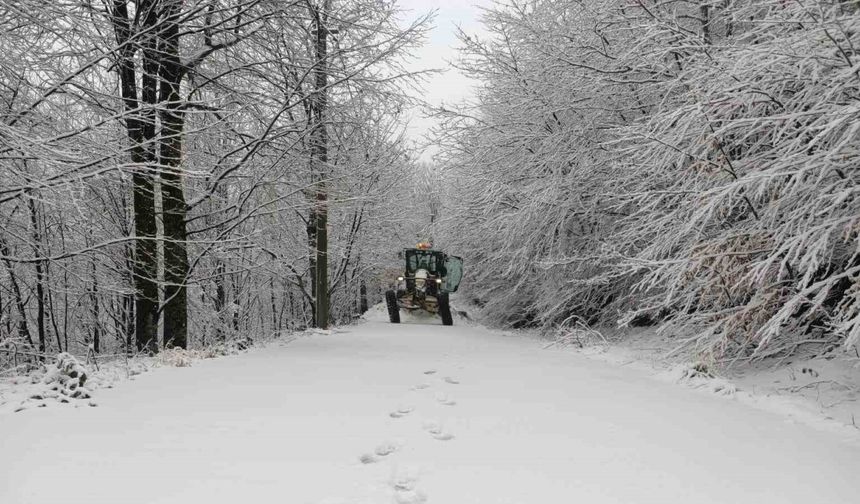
(128, 302)
(23, 328)
(172, 194)
(705, 12)
(53, 312)
(220, 301)
(140, 127)
(319, 154)
(275, 327)
(312, 255)
(234, 308)
(65, 297)
(363, 294)
(40, 276)
(8, 325)
(97, 329)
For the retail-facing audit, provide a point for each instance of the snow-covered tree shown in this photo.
(688, 162)
(158, 166)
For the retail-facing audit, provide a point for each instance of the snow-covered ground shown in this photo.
(417, 412)
(817, 386)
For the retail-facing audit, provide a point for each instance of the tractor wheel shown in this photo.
(393, 309)
(445, 309)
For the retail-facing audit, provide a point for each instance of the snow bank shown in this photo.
(63, 382)
(821, 391)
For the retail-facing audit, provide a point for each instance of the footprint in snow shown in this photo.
(404, 485)
(438, 432)
(386, 448)
(401, 412)
(421, 386)
(368, 458)
(432, 426)
(445, 399)
(409, 497)
(450, 380)
(430, 371)
(383, 450)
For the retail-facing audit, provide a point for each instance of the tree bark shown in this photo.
(140, 127)
(319, 154)
(220, 300)
(312, 255)
(97, 329)
(40, 275)
(23, 328)
(705, 12)
(363, 295)
(172, 193)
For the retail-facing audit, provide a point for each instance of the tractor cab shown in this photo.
(433, 265)
(428, 278)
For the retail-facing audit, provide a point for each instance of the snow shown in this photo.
(417, 412)
(820, 389)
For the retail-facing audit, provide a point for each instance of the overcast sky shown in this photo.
(450, 86)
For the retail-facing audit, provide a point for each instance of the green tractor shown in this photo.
(429, 278)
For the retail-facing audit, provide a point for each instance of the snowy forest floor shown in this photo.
(379, 413)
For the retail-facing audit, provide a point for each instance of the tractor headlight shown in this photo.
(400, 279)
(439, 281)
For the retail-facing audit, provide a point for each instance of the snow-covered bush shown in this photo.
(241, 343)
(17, 356)
(180, 357)
(701, 375)
(67, 377)
(176, 357)
(574, 331)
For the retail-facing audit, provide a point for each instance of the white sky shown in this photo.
(450, 86)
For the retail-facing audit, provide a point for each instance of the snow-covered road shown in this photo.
(468, 416)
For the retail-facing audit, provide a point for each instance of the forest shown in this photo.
(192, 173)
(429, 251)
(184, 174)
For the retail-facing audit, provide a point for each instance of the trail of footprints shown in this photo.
(404, 483)
(432, 426)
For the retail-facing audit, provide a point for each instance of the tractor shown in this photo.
(430, 276)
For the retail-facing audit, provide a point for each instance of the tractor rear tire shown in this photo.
(445, 309)
(393, 309)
